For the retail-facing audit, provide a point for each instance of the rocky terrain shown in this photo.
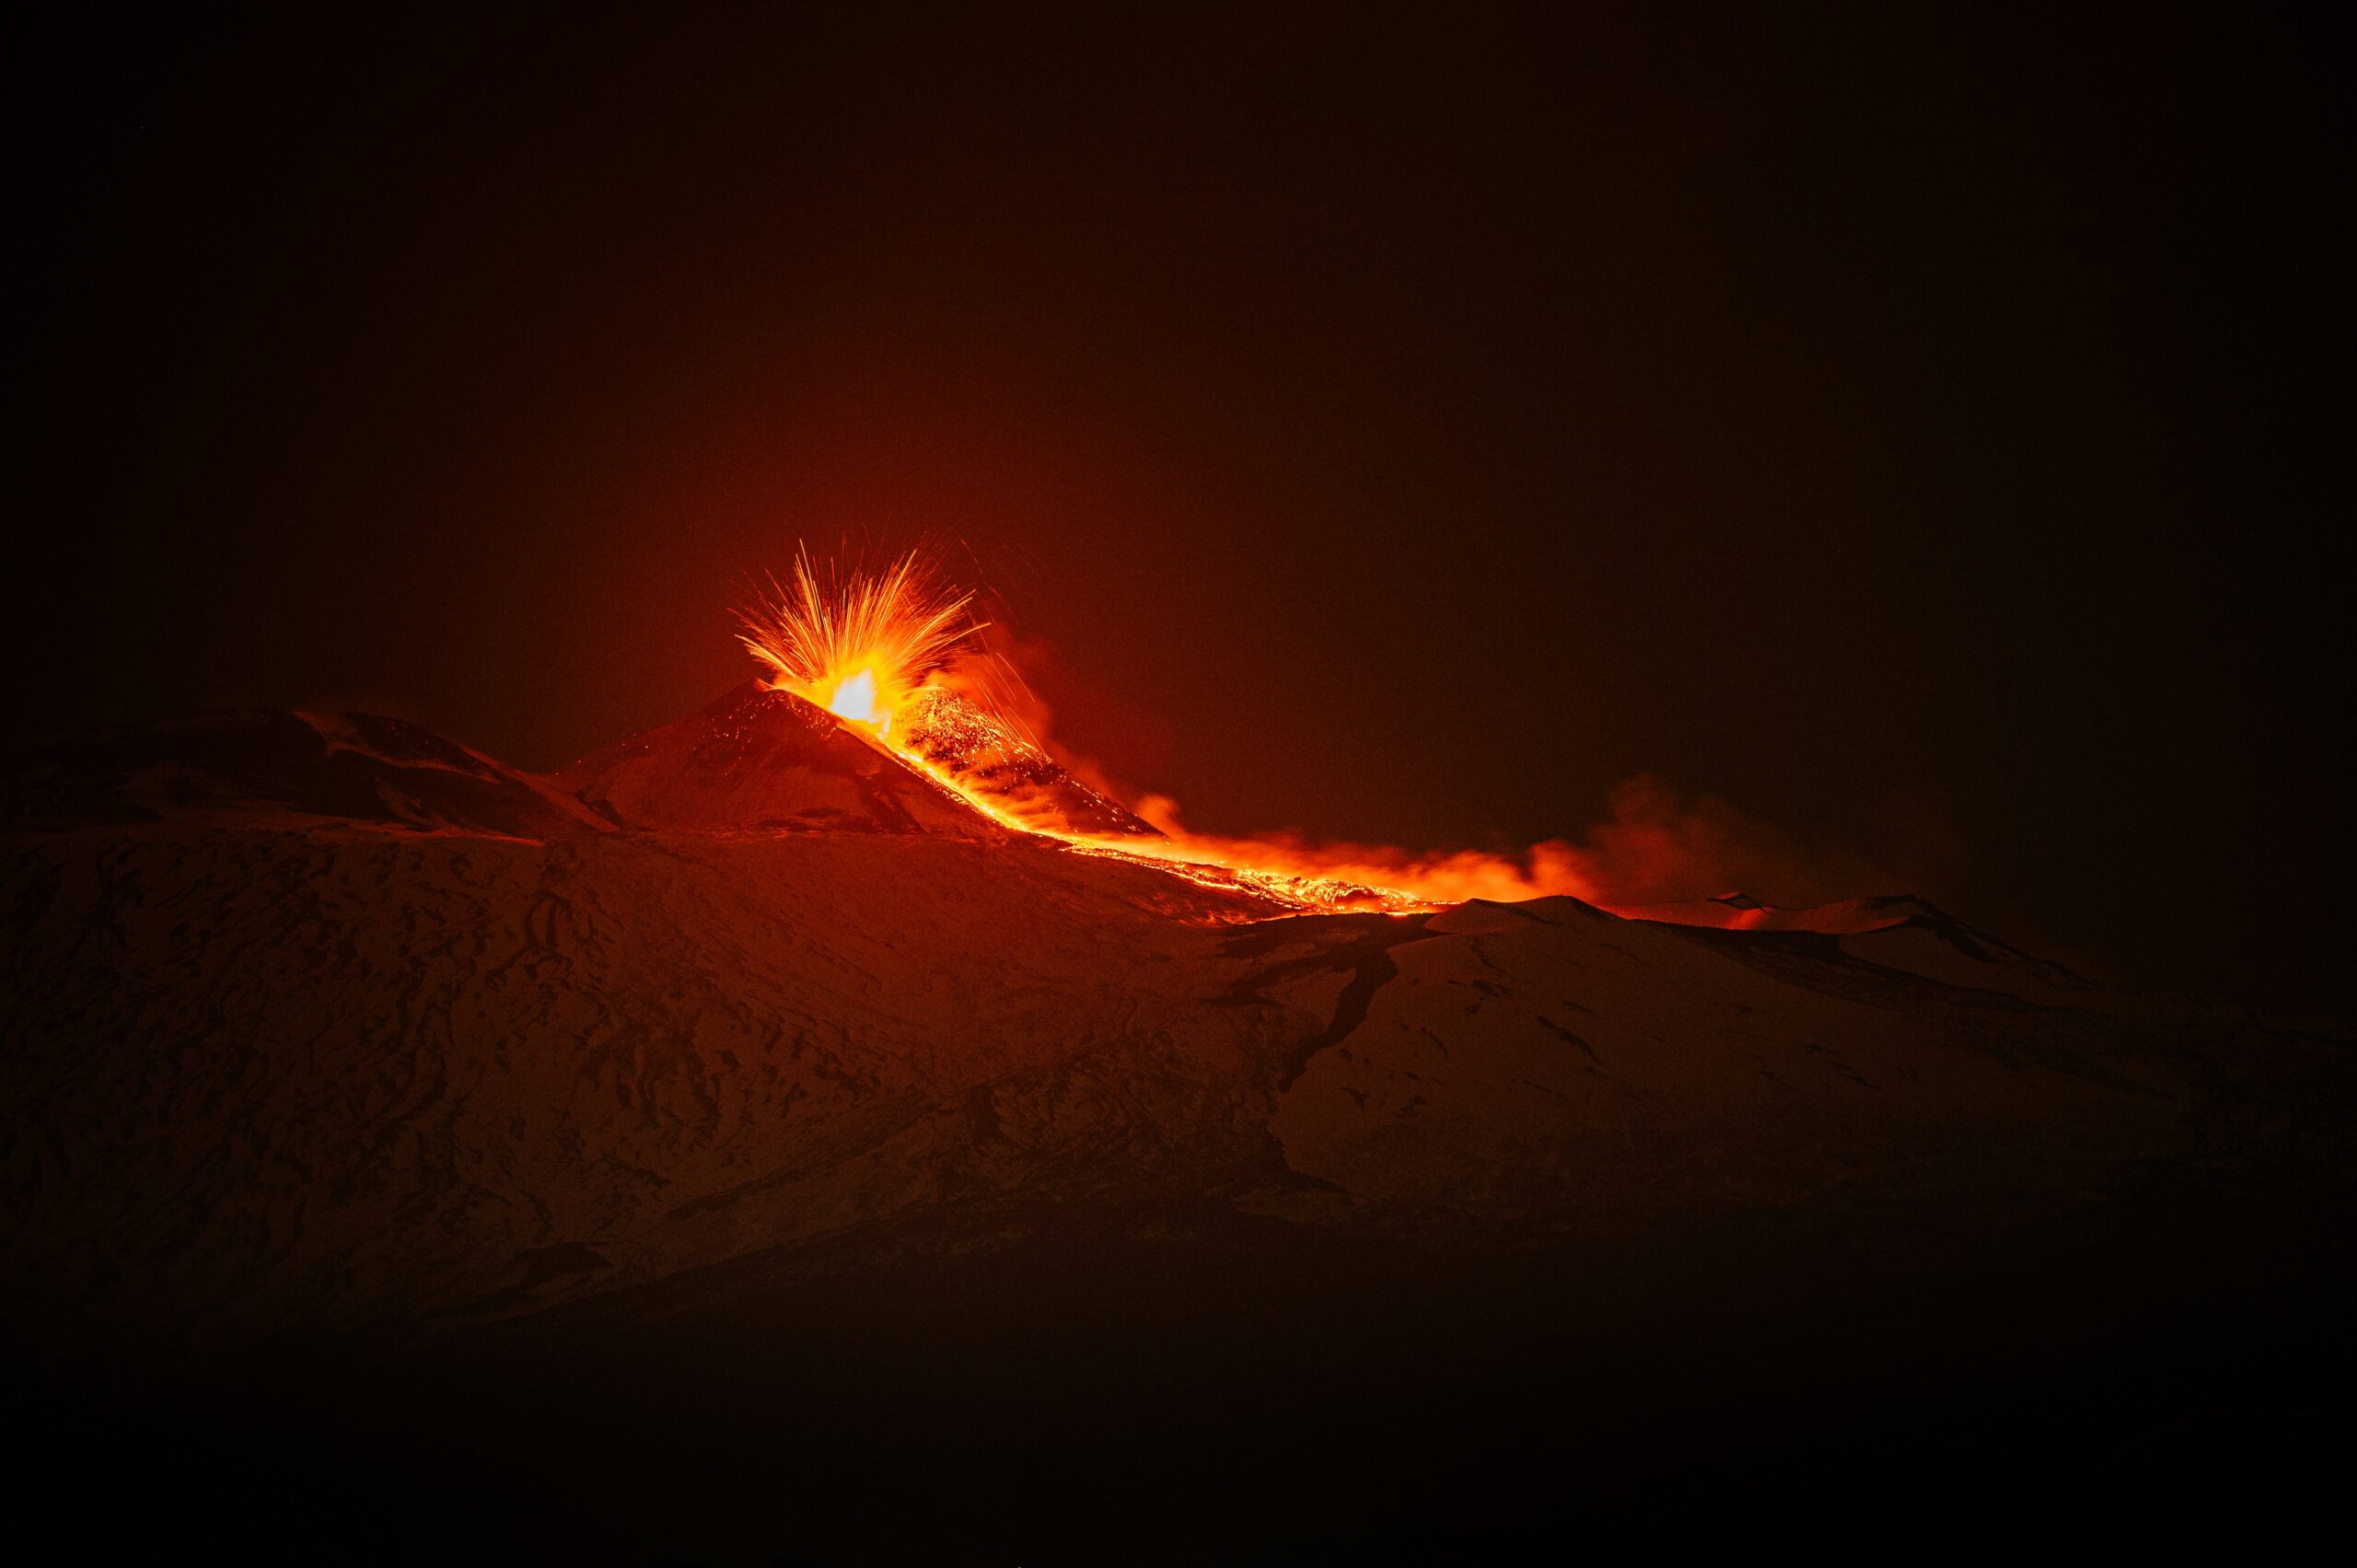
(735, 1147)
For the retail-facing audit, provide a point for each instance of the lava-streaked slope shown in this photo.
(1020, 780)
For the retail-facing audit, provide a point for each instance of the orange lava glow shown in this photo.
(853, 698)
(869, 646)
(1368, 876)
(861, 645)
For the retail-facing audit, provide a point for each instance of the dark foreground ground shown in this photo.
(2156, 1377)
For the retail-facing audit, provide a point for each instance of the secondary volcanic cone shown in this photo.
(895, 655)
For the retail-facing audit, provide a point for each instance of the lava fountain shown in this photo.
(861, 645)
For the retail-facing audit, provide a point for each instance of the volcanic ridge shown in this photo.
(742, 1052)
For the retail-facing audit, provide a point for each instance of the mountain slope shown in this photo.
(759, 760)
(1018, 778)
(762, 1151)
(262, 767)
(435, 1059)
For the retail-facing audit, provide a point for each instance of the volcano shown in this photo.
(738, 1146)
(765, 761)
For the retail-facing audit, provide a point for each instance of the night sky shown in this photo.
(1922, 435)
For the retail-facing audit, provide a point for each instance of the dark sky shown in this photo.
(1925, 435)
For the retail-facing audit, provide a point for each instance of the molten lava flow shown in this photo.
(892, 653)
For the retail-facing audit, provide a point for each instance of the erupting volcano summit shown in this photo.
(826, 1101)
(897, 655)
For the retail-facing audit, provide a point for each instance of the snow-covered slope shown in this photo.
(267, 1067)
(763, 761)
(759, 1155)
(268, 767)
